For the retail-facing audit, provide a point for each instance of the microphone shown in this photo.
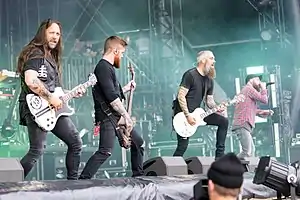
(270, 83)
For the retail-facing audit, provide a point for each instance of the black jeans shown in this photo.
(106, 144)
(215, 120)
(64, 130)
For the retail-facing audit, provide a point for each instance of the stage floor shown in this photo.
(171, 188)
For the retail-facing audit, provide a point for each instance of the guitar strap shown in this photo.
(203, 104)
(107, 111)
(104, 107)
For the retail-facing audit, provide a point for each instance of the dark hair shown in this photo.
(39, 44)
(251, 76)
(113, 40)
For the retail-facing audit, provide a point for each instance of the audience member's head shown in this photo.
(225, 177)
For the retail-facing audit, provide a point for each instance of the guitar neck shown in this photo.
(70, 95)
(130, 96)
(129, 103)
(213, 110)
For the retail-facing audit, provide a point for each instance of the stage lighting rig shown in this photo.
(282, 178)
(201, 189)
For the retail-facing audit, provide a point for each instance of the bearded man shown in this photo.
(108, 95)
(40, 71)
(197, 85)
(255, 91)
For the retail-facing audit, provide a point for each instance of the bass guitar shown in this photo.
(122, 134)
(184, 129)
(45, 115)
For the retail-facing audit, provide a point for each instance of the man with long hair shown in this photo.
(109, 109)
(197, 85)
(40, 71)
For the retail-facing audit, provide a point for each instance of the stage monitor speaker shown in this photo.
(11, 170)
(199, 164)
(165, 166)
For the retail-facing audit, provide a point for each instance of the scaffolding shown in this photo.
(165, 20)
(271, 18)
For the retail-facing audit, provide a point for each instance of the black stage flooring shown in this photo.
(141, 188)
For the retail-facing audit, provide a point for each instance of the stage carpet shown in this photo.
(141, 188)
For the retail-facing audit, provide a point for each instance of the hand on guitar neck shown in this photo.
(131, 85)
(222, 107)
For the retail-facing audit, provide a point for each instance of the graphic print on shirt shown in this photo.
(42, 72)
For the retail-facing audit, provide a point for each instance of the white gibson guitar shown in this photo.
(184, 129)
(45, 115)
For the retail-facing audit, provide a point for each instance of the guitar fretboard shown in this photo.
(213, 110)
(74, 92)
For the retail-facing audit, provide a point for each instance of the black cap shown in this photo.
(251, 76)
(227, 171)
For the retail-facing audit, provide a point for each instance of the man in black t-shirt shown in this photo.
(190, 96)
(39, 69)
(108, 94)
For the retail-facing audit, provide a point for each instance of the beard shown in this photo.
(210, 72)
(52, 45)
(117, 62)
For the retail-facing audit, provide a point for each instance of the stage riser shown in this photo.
(175, 187)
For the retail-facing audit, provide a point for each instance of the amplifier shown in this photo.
(194, 149)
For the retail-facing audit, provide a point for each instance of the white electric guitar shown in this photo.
(184, 129)
(45, 115)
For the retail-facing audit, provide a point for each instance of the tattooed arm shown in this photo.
(210, 102)
(119, 107)
(182, 100)
(105, 76)
(36, 85)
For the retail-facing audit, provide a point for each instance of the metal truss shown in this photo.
(271, 17)
(165, 17)
(166, 34)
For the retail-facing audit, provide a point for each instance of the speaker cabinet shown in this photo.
(199, 164)
(165, 166)
(11, 170)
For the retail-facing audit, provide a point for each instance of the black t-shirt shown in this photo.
(47, 73)
(195, 82)
(106, 90)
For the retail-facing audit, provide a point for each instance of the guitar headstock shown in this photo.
(239, 98)
(92, 79)
(131, 69)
